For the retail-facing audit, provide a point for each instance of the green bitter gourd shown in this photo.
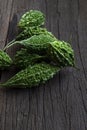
(61, 53)
(36, 43)
(5, 60)
(30, 31)
(32, 18)
(24, 59)
(32, 76)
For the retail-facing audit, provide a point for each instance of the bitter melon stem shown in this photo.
(10, 44)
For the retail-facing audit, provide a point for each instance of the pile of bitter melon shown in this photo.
(41, 55)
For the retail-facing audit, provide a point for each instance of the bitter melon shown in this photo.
(5, 60)
(32, 18)
(61, 53)
(24, 59)
(32, 76)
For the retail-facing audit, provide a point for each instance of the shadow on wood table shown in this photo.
(61, 104)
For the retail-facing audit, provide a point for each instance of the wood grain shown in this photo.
(61, 104)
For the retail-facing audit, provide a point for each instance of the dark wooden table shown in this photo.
(61, 104)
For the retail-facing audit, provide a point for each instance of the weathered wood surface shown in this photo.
(61, 104)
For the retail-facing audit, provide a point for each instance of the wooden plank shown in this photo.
(61, 103)
(73, 88)
(4, 20)
(5, 11)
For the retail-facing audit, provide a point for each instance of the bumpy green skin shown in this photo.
(37, 43)
(30, 31)
(32, 18)
(32, 76)
(5, 60)
(24, 59)
(61, 53)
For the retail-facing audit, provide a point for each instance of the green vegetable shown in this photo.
(32, 18)
(43, 55)
(5, 60)
(30, 31)
(37, 43)
(32, 76)
(23, 59)
(61, 53)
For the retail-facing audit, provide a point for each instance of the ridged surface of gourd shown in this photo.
(5, 60)
(24, 59)
(32, 76)
(32, 18)
(30, 31)
(61, 53)
(37, 43)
